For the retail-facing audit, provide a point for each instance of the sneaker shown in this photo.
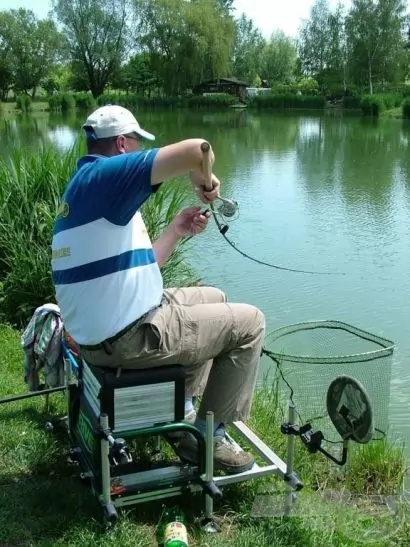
(227, 456)
(177, 435)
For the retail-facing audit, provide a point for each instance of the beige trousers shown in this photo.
(219, 343)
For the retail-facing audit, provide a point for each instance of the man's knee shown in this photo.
(248, 320)
(259, 317)
(213, 295)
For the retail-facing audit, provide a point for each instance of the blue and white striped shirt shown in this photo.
(104, 269)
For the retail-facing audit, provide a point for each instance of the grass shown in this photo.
(42, 502)
(30, 189)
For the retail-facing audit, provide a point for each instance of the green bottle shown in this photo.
(172, 531)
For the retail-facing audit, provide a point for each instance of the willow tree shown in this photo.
(187, 41)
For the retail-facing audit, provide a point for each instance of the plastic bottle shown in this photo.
(172, 531)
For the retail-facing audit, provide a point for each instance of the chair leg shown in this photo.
(109, 511)
(209, 465)
(208, 524)
(156, 443)
(47, 404)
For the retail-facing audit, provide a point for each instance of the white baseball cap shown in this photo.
(113, 120)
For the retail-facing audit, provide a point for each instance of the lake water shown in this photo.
(324, 192)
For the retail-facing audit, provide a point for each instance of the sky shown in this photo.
(268, 15)
(272, 15)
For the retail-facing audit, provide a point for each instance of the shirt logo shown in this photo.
(63, 210)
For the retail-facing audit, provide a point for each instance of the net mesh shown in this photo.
(311, 354)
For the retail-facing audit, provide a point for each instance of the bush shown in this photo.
(62, 101)
(54, 101)
(352, 102)
(85, 101)
(216, 100)
(287, 101)
(334, 92)
(23, 102)
(372, 105)
(31, 184)
(67, 102)
(284, 89)
(391, 100)
(133, 101)
(308, 85)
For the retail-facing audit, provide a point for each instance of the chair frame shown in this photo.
(114, 489)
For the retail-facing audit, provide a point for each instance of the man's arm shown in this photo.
(126, 181)
(178, 159)
(164, 245)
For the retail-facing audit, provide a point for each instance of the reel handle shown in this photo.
(228, 207)
(206, 164)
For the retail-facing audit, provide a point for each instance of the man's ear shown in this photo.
(121, 144)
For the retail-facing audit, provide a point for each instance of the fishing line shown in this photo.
(228, 210)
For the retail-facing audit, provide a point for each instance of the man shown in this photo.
(109, 286)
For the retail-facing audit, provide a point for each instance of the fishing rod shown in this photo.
(228, 208)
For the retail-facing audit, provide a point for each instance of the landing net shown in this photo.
(310, 355)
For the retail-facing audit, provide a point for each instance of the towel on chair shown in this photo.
(42, 346)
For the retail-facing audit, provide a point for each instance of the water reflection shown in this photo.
(36, 132)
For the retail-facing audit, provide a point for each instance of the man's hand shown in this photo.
(189, 222)
(198, 181)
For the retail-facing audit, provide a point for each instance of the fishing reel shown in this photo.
(350, 411)
(227, 208)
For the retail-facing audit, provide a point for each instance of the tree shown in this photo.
(336, 62)
(226, 5)
(187, 41)
(247, 50)
(375, 39)
(58, 79)
(278, 61)
(97, 34)
(138, 76)
(393, 22)
(315, 40)
(78, 79)
(31, 47)
(6, 57)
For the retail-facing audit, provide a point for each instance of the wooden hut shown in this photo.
(233, 86)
